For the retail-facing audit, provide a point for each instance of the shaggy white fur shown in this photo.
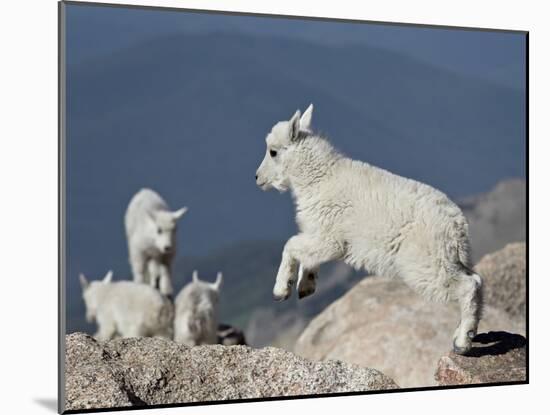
(196, 317)
(151, 234)
(126, 308)
(371, 219)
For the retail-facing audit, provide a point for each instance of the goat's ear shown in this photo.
(195, 276)
(294, 126)
(219, 280)
(83, 281)
(108, 277)
(179, 213)
(305, 121)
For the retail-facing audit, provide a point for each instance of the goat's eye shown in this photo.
(159, 231)
(272, 153)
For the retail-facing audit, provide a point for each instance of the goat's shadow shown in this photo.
(48, 403)
(495, 343)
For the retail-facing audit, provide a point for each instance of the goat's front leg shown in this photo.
(138, 264)
(309, 251)
(306, 281)
(106, 329)
(165, 283)
(286, 274)
(153, 269)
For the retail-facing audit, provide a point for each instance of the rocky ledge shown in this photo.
(495, 357)
(154, 371)
(381, 323)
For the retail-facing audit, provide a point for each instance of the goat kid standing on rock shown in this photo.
(371, 219)
(126, 308)
(151, 234)
(196, 319)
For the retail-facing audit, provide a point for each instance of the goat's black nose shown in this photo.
(256, 177)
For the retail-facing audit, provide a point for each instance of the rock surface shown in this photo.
(495, 357)
(383, 324)
(146, 371)
(504, 278)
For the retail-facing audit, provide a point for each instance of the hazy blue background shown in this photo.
(181, 102)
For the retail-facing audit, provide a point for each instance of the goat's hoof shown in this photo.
(280, 298)
(305, 293)
(462, 350)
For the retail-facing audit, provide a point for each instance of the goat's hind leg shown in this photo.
(469, 295)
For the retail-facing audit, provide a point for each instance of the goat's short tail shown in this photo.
(458, 243)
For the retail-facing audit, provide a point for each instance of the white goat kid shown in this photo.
(196, 316)
(371, 219)
(151, 234)
(126, 308)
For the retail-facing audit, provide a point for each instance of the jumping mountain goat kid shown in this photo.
(196, 316)
(371, 219)
(126, 308)
(151, 234)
